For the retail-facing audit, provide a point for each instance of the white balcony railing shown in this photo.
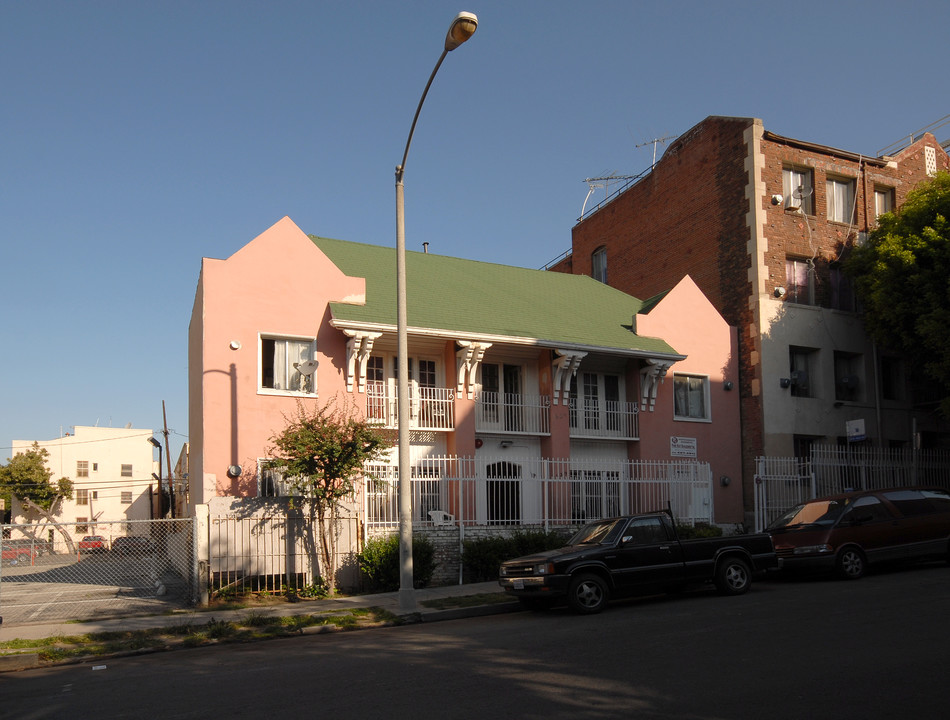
(512, 413)
(429, 408)
(605, 419)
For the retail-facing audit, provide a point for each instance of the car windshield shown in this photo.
(594, 533)
(817, 512)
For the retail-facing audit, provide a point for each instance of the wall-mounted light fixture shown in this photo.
(725, 480)
(727, 385)
(235, 345)
(506, 443)
(780, 291)
(234, 471)
(785, 383)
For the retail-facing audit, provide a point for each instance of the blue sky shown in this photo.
(138, 137)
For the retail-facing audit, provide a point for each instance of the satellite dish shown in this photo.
(308, 367)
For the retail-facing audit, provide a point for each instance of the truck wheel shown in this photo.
(587, 595)
(733, 576)
(851, 563)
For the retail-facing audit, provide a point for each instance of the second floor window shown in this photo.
(690, 397)
(127, 470)
(284, 365)
(82, 497)
(82, 468)
(800, 281)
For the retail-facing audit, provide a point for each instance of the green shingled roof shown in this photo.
(468, 297)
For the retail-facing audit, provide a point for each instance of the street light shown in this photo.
(461, 29)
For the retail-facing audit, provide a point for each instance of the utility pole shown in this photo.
(168, 465)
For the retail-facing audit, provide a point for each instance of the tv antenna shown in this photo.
(654, 142)
(601, 182)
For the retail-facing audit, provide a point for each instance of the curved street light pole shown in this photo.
(461, 29)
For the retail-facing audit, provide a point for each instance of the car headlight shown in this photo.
(543, 569)
(812, 549)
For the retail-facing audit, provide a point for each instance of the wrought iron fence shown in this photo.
(782, 483)
(81, 571)
(507, 491)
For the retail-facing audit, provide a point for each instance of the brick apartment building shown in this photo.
(761, 223)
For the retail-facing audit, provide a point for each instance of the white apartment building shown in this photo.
(111, 471)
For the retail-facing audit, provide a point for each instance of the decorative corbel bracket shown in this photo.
(358, 349)
(651, 375)
(565, 367)
(467, 358)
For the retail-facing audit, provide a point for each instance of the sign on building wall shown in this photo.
(855, 430)
(682, 446)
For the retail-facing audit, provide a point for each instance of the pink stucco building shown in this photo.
(555, 397)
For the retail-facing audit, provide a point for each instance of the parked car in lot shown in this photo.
(850, 531)
(633, 555)
(132, 545)
(93, 543)
(14, 553)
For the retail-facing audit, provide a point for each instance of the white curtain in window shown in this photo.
(839, 200)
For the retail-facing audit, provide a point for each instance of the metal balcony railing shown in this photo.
(605, 419)
(513, 413)
(429, 408)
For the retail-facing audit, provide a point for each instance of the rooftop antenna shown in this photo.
(601, 182)
(654, 142)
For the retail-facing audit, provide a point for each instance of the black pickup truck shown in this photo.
(633, 555)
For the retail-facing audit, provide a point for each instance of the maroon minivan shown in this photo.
(850, 531)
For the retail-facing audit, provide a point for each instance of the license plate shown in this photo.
(518, 584)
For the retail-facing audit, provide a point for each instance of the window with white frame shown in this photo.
(82, 468)
(595, 401)
(284, 365)
(800, 281)
(798, 189)
(598, 265)
(82, 497)
(126, 497)
(839, 197)
(127, 470)
(690, 397)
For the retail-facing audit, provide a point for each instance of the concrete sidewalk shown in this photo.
(386, 601)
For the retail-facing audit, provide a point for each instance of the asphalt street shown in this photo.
(816, 648)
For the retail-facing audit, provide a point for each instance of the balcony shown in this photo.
(512, 413)
(429, 408)
(604, 419)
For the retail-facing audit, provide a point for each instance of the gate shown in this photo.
(82, 571)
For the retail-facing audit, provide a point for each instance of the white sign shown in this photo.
(682, 446)
(855, 430)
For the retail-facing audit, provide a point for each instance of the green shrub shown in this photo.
(699, 530)
(379, 562)
(482, 557)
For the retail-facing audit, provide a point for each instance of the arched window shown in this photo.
(598, 264)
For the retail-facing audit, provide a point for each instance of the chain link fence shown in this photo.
(82, 571)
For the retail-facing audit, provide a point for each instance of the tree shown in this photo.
(321, 454)
(902, 277)
(27, 478)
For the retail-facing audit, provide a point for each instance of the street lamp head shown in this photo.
(461, 29)
(155, 442)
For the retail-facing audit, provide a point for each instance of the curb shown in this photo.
(26, 661)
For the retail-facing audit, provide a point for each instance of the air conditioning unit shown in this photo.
(799, 378)
(849, 382)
